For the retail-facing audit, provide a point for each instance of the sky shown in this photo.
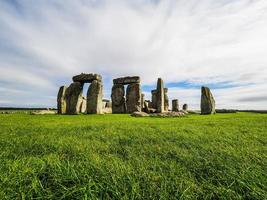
(221, 44)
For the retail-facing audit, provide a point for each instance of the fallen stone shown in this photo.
(133, 98)
(118, 99)
(139, 114)
(44, 112)
(86, 78)
(94, 98)
(126, 80)
(207, 102)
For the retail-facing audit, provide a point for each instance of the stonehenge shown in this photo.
(207, 102)
(133, 100)
(70, 99)
(126, 97)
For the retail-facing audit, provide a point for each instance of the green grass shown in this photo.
(120, 157)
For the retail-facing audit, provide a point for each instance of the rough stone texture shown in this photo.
(207, 101)
(61, 100)
(126, 80)
(166, 99)
(175, 105)
(185, 107)
(139, 114)
(94, 98)
(154, 99)
(86, 78)
(74, 98)
(184, 111)
(142, 101)
(160, 96)
(133, 98)
(118, 99)
(43, 112)
(165, 114)
(83, 105)
(168, 114)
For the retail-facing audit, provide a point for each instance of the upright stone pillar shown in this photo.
(142, 101)
(83, 105)
(160, 96)
(61, 100)
(154, 99)
(74, 98)
(207, 101)
(133, 98)
(175, 105)
(166, 99)
(185, 107)
(118, 99)
(94, 98)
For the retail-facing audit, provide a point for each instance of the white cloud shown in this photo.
(43, 44)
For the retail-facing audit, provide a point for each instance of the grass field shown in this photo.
(120, 157)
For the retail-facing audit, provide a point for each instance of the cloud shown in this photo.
(42, 45)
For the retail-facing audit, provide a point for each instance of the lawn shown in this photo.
(223, 156)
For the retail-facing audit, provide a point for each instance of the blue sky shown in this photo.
(189, 43)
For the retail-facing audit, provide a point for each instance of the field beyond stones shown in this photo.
(223, 156)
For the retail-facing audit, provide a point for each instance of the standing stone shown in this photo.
(74, 98)
(175, 105)
(154, 99)
(94, 98)
(207, 101)
(142, 102)
(160, 96)
(166, 99)
(185, 107)
(118, 99)
(133, 98)
(83, 105)
(61, 100)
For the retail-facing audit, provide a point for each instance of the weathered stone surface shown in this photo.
(154, 99)
(86, 78)
(126, 80)
(118, 99)
(142, 101)
(207, 101)
(140, 114)
(94, 98)
(185, 107)
(83, 105)
(74, 98)
(175, 105)
(166, 99)
(133, 98)
(168, 114)
(43, 112)
(160, 96)
(61, 100)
